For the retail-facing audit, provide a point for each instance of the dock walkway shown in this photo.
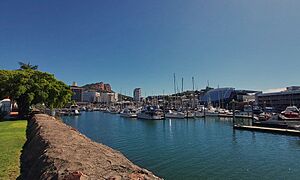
(267, 129)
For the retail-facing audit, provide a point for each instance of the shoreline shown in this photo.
(56, 150)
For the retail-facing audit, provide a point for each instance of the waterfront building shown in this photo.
(137, 94)
(280, 100)
(218, 97)
(77, 92)
(222, 97)
(108, 98)
(91, 96)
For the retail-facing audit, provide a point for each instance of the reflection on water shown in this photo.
(195, 148)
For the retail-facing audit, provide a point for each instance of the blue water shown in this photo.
(194, 148)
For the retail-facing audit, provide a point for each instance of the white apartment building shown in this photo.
(108, 98)
(91, 96)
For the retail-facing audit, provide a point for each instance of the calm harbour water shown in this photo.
(194, 148)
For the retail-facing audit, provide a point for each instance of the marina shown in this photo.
(175, 90)
(198, 148)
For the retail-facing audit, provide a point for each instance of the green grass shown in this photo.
(12, 139)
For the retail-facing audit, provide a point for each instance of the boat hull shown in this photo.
(128, 115)
(175, 116)
(282, 117)
(150, 117)
(199, 114)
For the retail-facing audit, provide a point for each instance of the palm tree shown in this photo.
(24, 66)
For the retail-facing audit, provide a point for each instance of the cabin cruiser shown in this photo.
(290, 113)
(83, 108)
(264, 116)
(96, 109)
(211, 111)
(258, 110)
(151, 113)
(199, 112)
(129, 113)
(224, 112)
(189, 114)
(113, 110)
(74, 111)
(175, 114)
(246, 113)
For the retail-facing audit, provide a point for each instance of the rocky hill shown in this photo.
(104, 87)
(100, 87)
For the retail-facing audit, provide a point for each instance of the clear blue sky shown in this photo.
(251, 44)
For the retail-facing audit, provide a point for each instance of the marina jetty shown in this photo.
(56, 151)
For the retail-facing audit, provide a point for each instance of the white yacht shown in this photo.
(211, 111)
(128, 113)
(151, 113)
(175, 114)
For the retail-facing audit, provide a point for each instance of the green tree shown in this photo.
(29, 87)
(24, 66)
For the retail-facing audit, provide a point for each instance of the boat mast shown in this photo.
(174, 83)
(181, 101)
(182, 85)
(175, 90)
(219, 96)
(193, 81)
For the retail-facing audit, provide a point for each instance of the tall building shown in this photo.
(137, 94)
(77, 92)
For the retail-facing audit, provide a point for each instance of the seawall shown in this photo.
(54, 150)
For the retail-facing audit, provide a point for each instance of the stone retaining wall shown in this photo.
(56, 151)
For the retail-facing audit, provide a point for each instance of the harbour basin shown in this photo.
(194, 148)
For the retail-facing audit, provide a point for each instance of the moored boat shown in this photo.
(128, 113)
(199, 114)
(290, 113)
(151, 113)
(189, 114)
(175, 114)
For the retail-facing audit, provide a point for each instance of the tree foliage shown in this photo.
(29, 87)
(24, 66)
